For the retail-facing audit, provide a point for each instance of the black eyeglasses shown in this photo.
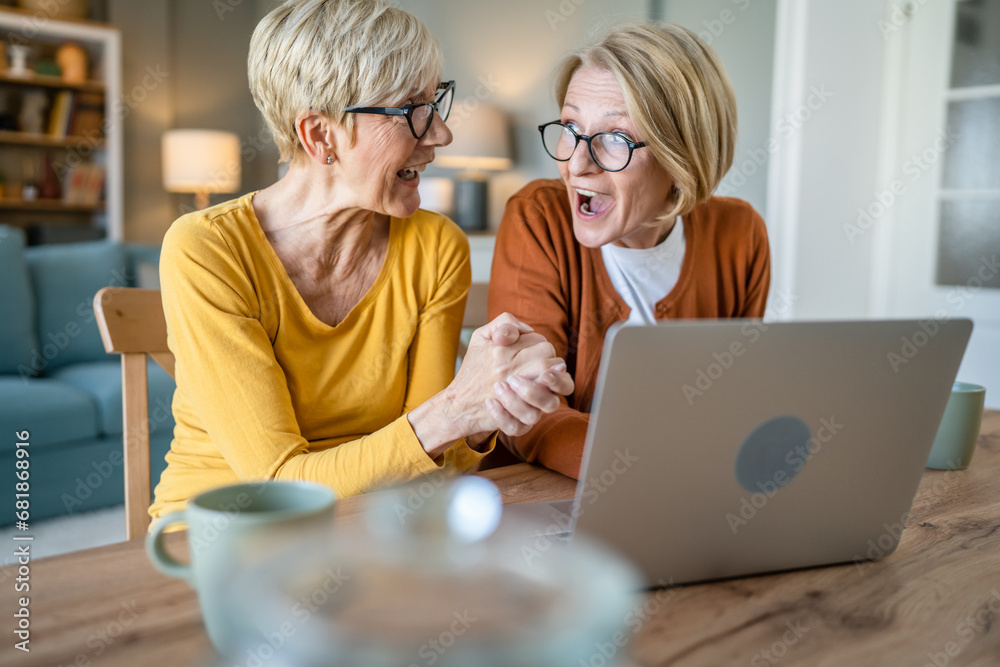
(418, 116)
(611, 151)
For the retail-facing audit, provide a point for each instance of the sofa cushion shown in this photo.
(50, 410)
(66, 278)
(103, 381)
(143, 265)
(17, 305)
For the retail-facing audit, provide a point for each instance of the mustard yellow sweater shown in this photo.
(266, 390)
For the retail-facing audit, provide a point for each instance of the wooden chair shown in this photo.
(475, 312)
(132, 324)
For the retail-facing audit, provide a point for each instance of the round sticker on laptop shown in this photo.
(773, 454)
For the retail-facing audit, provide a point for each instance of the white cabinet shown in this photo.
(481, 256)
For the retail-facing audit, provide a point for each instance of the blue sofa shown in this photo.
(58, 383)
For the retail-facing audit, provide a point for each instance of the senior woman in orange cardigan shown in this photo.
(631, 232)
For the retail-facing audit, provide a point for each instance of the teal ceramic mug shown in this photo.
(959, 429)
(233, 529)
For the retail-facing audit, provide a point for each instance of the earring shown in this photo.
(329, 159)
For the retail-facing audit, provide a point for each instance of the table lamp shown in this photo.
(481, 144)
(201, 161)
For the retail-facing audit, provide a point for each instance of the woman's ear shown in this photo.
(317, 136)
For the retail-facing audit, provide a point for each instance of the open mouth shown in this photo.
(410, 173)
(591, 204)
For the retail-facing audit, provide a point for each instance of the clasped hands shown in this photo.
(508, 378)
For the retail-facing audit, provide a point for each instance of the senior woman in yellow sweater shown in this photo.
(315, 323)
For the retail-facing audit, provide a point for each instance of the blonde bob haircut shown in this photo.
(679, 98)
(327, 55)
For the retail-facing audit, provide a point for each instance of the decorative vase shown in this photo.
(72, 60)
(19, 59)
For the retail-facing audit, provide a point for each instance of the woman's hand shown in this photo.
(525, 385)
(509, 377)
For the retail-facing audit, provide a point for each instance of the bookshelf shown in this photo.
(73, 133)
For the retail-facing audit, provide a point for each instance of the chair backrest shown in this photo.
(132, 324)
(475, 312)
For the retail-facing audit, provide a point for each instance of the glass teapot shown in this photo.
(433, 574)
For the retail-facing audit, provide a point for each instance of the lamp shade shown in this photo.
(201, 161)
(481, 140)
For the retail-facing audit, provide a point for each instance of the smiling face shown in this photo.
(382, 169)
(610, 207)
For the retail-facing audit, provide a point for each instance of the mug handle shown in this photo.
(163, 561)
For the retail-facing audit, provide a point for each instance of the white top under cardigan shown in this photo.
(644, 276)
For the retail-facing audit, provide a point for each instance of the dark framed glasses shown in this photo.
(418, 116)
(611, 151)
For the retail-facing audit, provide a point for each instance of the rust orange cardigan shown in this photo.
(562, 289)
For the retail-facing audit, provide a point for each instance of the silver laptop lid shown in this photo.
(725, 448)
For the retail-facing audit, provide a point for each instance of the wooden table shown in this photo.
(935, 601)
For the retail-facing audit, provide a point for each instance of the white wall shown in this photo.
(198, 50)
(503, 53)
(742, 33)
(815, 110)
(841, 78)
(147, 113)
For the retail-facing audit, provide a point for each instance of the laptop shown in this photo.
(719, 449)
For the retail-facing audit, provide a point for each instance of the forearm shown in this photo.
(388, 456)
(437, 423)
(555, 442)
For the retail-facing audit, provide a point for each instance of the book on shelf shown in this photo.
(84, 184)
(87, 118)
(59, 117)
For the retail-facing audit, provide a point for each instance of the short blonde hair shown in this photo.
(679, 98)
(327, 55)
